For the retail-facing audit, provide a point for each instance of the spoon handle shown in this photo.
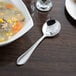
(26, 55)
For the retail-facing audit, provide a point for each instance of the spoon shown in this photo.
(50, 29)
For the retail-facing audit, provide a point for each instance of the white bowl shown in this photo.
(29, 22)
(71, 8)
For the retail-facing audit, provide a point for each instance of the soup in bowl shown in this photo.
(13, 23)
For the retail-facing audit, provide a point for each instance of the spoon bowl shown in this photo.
(50, 28)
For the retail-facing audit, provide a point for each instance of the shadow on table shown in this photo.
(10, 52)
(70, 19)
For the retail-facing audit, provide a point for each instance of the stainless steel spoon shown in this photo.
(50, 29)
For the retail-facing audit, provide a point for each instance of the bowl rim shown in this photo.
(69, 8)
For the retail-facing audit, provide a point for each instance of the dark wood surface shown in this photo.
(53, 57)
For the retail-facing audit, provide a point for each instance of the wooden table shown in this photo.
(53, 57)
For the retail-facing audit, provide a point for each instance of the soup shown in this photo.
(11, 21)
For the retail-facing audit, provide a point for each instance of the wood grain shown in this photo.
(53, 57)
